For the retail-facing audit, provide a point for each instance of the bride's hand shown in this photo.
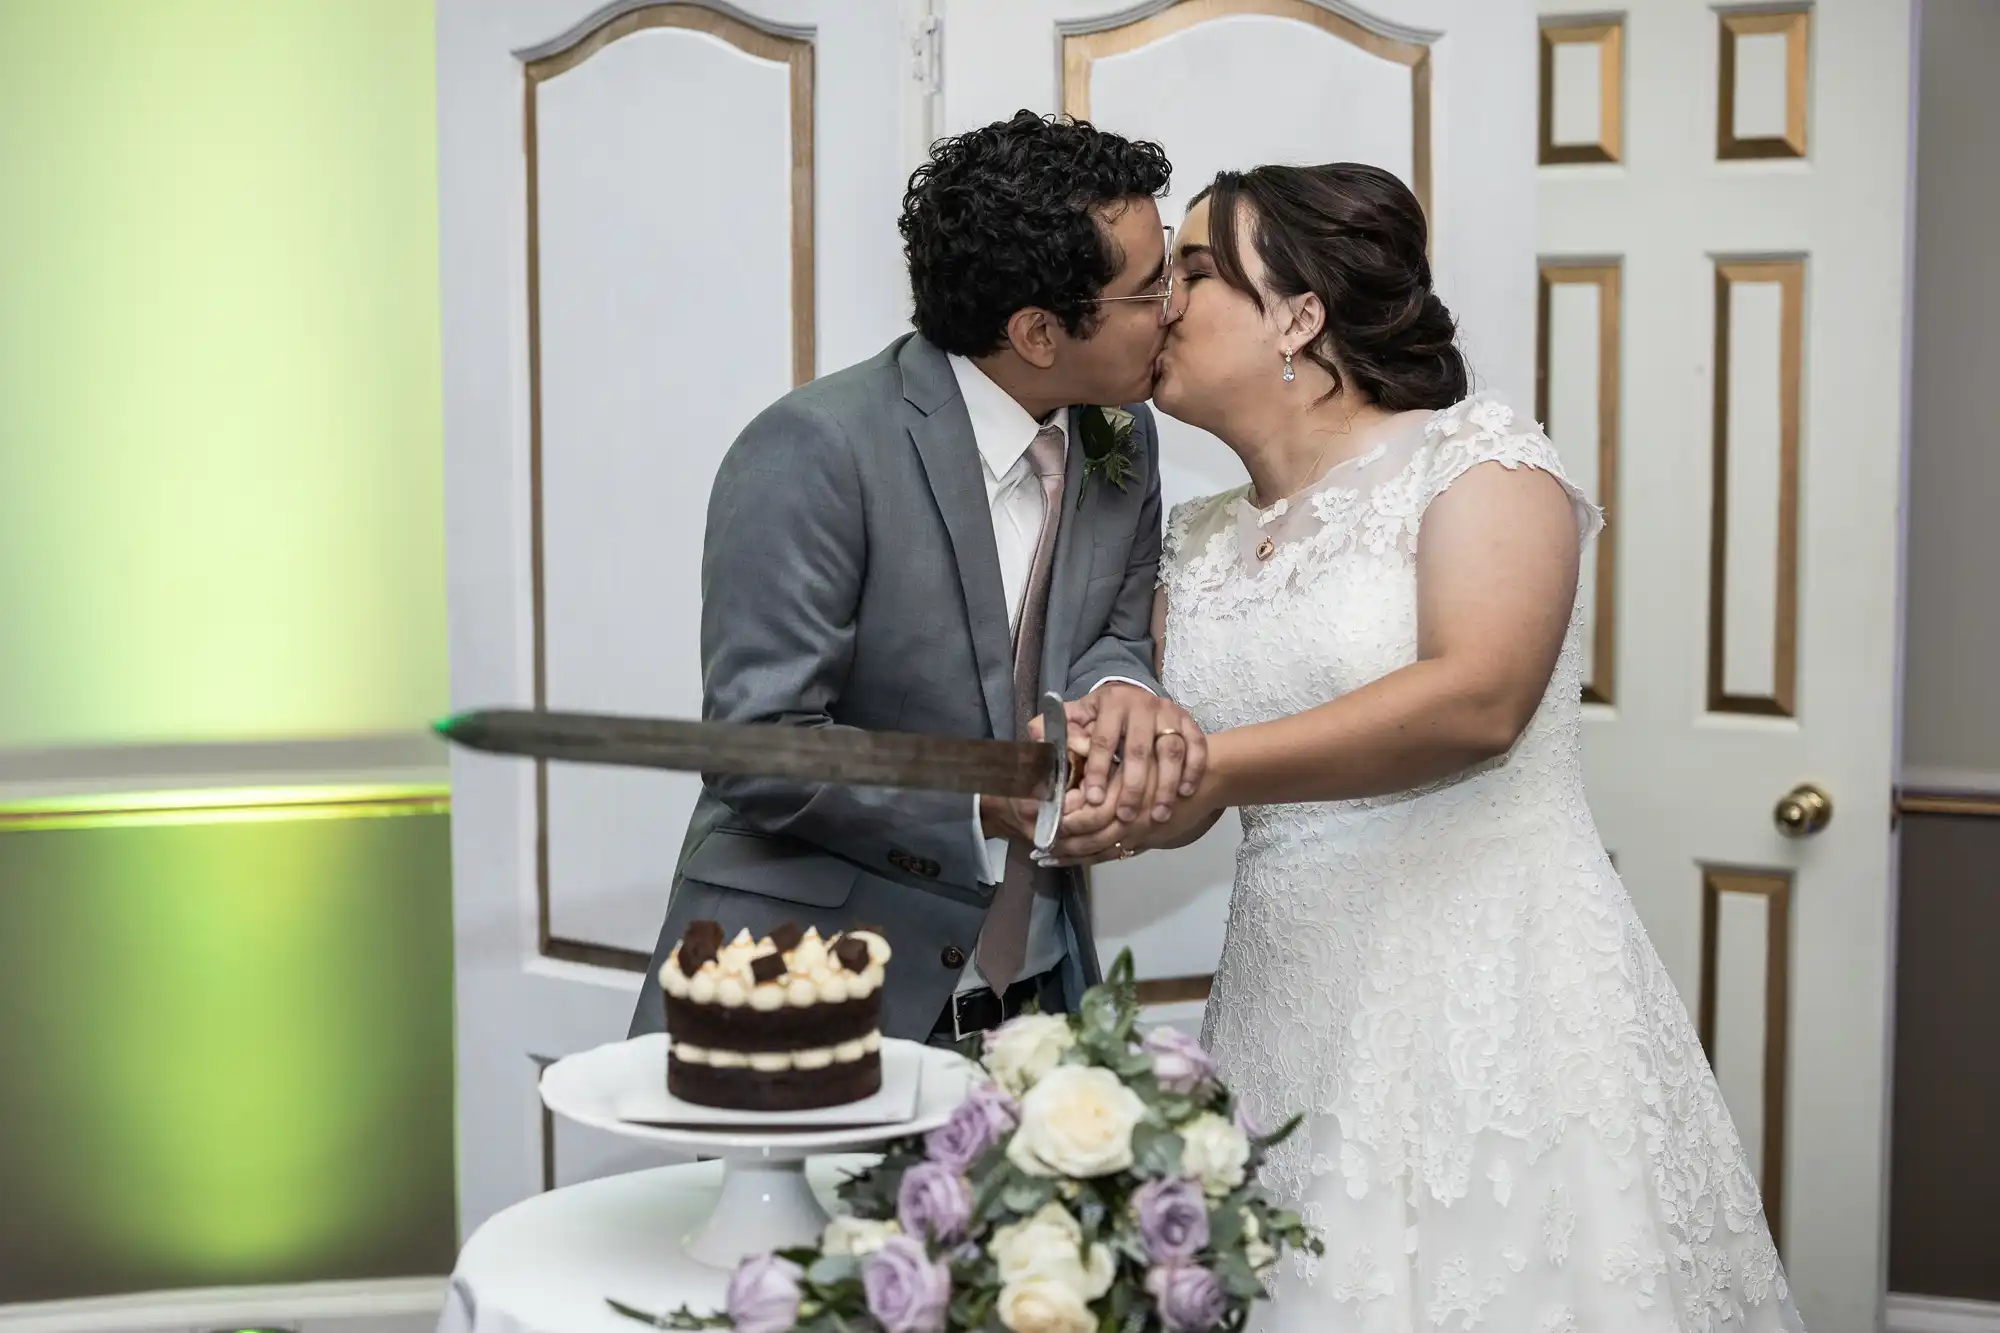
(1085, 840)
(1193, 817)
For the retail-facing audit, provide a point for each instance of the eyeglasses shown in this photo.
(1161, 291)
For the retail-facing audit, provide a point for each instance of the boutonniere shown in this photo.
(1107, 447)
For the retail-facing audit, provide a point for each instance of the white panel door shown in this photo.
(656, 218)
(1723, 236)
(1419, 87)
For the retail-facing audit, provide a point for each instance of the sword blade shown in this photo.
(842, 755)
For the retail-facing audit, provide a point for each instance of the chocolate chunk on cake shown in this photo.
(790, 1022)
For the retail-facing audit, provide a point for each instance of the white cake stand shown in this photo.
(765, 1203)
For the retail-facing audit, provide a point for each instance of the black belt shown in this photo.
(980, 1010)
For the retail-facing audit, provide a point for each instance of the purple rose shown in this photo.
(1179, 1062)
(976, 1124)
(933, 1201)
(1187, 1296)
(1173, 1219)
(907, 1292)
(764, 1295)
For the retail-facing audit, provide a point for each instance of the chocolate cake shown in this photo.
(790, 1022)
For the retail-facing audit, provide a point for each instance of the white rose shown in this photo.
(1022, 1050)
(1076, 1122)
(855, 1236)
(1257, 1251)
(1049, 1246)
(1214, 1152)
(1044, 1305)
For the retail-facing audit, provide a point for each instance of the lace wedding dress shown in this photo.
(1510, 1123)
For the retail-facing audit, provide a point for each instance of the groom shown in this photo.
(926, 542)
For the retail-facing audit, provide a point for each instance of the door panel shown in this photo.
(638, 254)
(1734, 184)
(658, 327)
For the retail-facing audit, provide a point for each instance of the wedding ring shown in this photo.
(1166, 731)
(1124, 852)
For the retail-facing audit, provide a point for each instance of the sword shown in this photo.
(843, 755)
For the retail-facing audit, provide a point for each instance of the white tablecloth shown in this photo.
(546, 1264)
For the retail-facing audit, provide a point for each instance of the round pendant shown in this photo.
(1265, 547)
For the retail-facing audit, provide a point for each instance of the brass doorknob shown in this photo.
(1804, 811)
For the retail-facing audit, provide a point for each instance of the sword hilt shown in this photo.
(1055, 731)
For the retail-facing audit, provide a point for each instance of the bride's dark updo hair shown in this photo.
(1355, 236)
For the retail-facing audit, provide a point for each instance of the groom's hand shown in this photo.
(1008, 817)
(1161, 751)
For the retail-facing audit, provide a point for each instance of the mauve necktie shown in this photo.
(1003, 940)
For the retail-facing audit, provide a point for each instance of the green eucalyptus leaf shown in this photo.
(1225, 1228)
(1156, 1151)
(1091, 1212)
(1236, 1276)
(1025, 1194)
(1134, 1066)
(833, 1269)
(1279, 1135)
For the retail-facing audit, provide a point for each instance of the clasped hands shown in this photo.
(1137, 767)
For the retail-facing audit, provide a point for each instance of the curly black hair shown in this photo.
(1001, 218)
(1357, 237)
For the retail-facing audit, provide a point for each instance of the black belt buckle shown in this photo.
(974, 1012)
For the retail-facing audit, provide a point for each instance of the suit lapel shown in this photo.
(1072, 565)
(951, 465)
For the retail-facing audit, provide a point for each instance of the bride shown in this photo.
(1510, 1122)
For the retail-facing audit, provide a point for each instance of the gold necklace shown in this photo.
(1267, 548)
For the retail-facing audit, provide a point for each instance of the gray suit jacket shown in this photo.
(850, 578)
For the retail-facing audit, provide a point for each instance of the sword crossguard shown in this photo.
(1055, 731)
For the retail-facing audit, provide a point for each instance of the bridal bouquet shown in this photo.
(1098, 1182)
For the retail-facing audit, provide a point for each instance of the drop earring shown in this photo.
(1289, 376)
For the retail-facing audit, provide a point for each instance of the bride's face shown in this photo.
(1221, 349)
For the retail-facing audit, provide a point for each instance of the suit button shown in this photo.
(953, 956)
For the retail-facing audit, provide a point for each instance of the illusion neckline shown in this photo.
(1374, 453)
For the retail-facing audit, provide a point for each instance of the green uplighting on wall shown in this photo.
(225, 1016)
(220, 460)
(228, 1049)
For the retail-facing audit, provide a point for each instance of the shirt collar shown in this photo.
(1001, 427)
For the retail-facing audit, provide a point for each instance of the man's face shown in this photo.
(1114, 364)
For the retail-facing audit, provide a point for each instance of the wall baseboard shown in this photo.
(1940, 1314)
(382, 1305)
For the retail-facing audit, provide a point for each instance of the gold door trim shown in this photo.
(1959, 804)
(1776, 887)
(1796, 27)
(1080, 50)
(538, 67)
(1789, 275)
(1605, 277)
(1608, 36)
(236, 805)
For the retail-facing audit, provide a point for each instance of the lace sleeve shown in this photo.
(1484, 430)
(1191, 527)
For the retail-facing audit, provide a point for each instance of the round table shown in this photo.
(547, 1264)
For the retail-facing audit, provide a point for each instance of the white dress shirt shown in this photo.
(1003, 430)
